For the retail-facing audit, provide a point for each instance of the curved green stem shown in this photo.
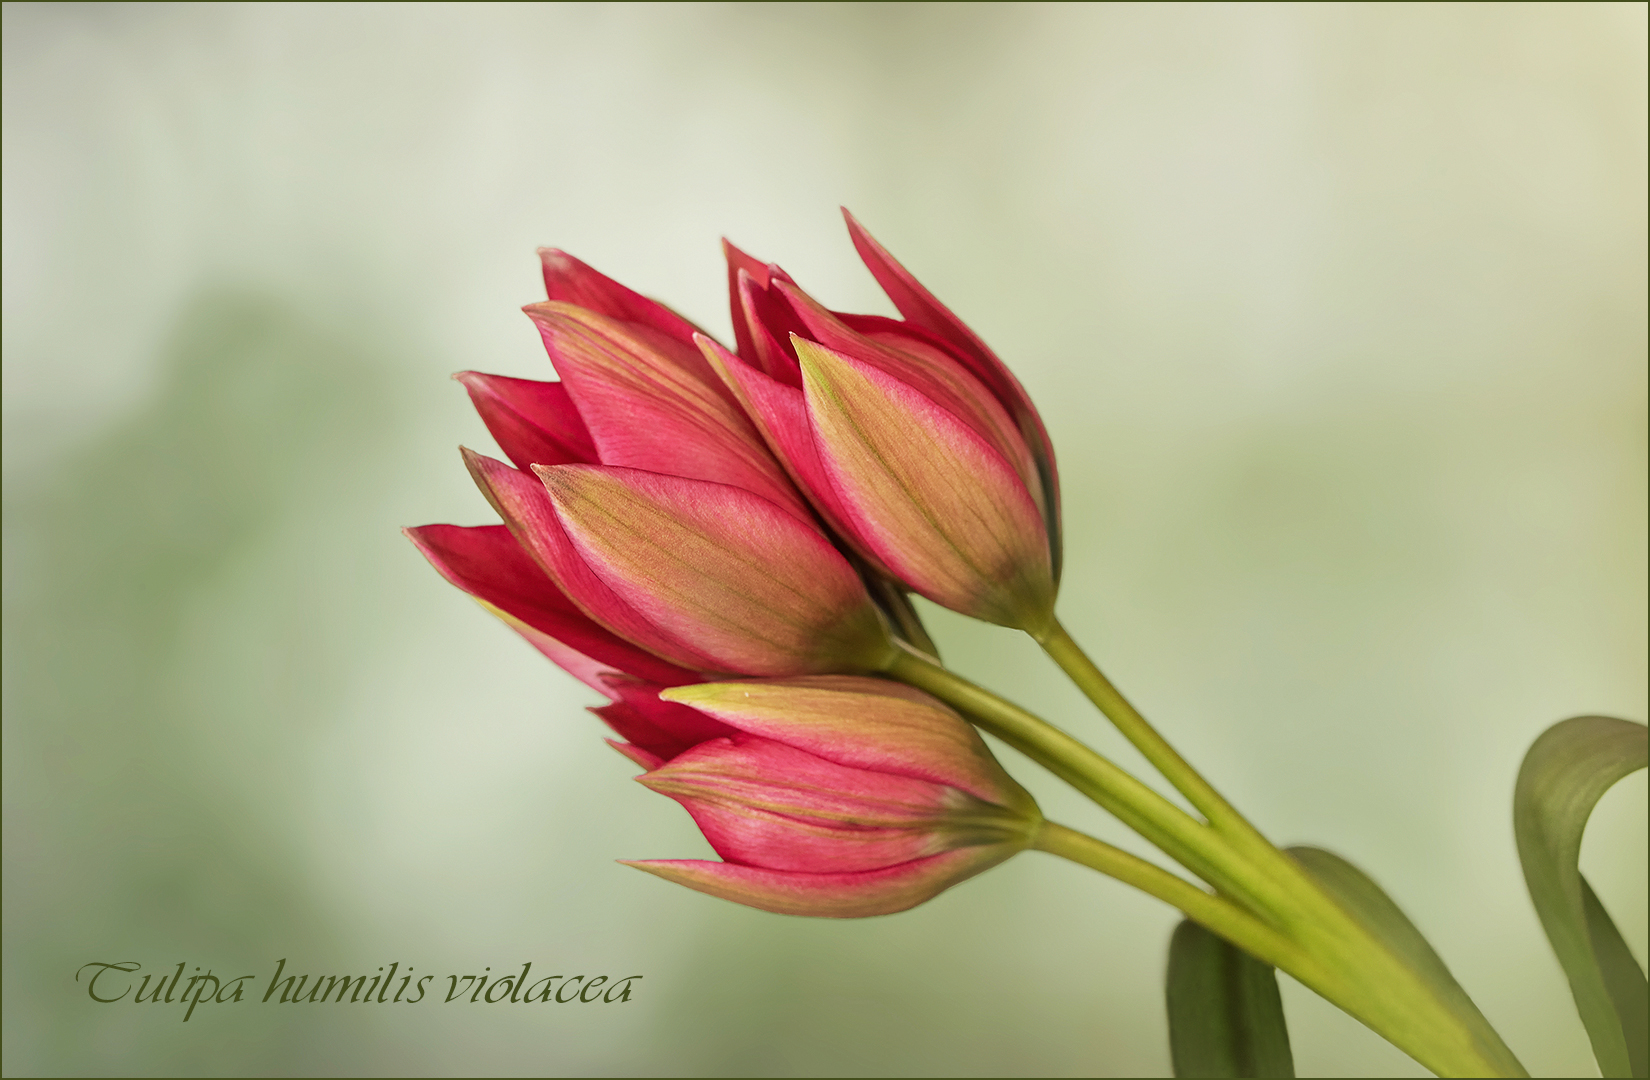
(1335, 955)
(1262, 855)
(1093, 682)
(1179, 835)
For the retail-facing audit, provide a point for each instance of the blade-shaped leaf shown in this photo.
(1366, 902)
(1566, 771)
(1622, 977)
(1225, 1015)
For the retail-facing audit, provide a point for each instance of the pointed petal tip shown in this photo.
(558, 480)
(479, 380)
(483, 470)
(415, 533)
(543, 311)
(549, 474)
(637, 756)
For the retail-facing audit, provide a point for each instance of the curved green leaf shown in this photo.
(1622, 977)
(1366, 902)
(1225, 1016)
(1567, 769)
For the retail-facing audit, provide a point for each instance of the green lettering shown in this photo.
(528, 996)
(127, 966)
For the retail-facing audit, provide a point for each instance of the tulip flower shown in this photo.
(722, 543)
(835, 796)
(910, 438)
(653, 532)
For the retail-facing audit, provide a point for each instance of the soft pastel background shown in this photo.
(1336, 314)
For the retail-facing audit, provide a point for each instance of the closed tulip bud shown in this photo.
(647, 521)
(910, 438)
(837, 796)
(708, 576)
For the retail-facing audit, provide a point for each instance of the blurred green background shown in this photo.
(1336, 314)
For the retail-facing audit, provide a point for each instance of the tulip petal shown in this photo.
(921, 307)
(648, 406)
(534, 423)
(662, 728)
(936, 503)
(831, 896)
(928, 368)
(738, 261)
(744, 580)
(863, 723)
(781, 417)
(770, 324)
(487, 562)
(636, 754)
(771, 333)
(762, 323)
(763, 803)
(568, 280)
(532, 520)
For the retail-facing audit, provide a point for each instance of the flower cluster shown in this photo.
(678, 512)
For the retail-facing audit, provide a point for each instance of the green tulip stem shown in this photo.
(1328, 949)
(1179, 835)
(1127, 719)
(1216, 913)
(1345, 961)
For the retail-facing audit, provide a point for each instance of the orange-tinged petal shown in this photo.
(830, 896)
(923, 309)
(762, 803)
(935, 501)
(863, 723)
(521, 501)
(754, 589)
(923, 365)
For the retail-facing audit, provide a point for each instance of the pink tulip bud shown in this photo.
(651, 532)
(708, 576)
(911, 439)
(836, 796)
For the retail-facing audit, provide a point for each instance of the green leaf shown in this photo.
(1567, 769)
(1622, 977)
(1366, 902)
(1225, 1016)
(1380, 915)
